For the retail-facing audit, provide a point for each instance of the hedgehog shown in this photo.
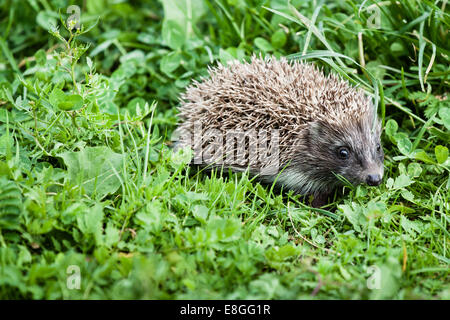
(285, 122)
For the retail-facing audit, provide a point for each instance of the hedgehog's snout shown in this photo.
(373, 173)
(373, 179)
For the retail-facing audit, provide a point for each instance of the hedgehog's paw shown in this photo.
(319, 200)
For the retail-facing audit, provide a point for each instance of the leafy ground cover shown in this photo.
(91, 191)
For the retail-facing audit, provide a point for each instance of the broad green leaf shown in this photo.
(441, 153)
(170, 62)
(200, 212)
(173, 34)
(224, 229)
(56, 96)
(423, 156)
(64, 101)
(404, 145)
(374, 68)
(354, 215)
(263, 44)
(71, 102)
(402, 181)
(41, 57)
(136, 105)
(101, 47)
(90, 222)
(278, 39)
(180, 16)
(225, 56)
(95, 169)
(414, 170)
(407, 195)
(389, 183)
(282, 253)
(391, 127)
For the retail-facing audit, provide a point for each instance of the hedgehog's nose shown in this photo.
(373, 179)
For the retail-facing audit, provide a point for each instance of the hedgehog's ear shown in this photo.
(320, 132)
(315, 129)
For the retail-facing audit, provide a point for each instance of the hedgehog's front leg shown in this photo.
(320, 200)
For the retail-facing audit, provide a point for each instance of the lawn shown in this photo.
(95, 204)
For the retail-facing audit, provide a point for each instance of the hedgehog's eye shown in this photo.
(378, 147)
(343, 153)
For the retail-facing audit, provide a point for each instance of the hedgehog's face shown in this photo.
(353, 151)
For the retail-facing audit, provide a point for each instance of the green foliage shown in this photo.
(95, 169)
(10, 204)
(88, 178)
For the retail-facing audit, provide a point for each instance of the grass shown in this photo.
(95, 205)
